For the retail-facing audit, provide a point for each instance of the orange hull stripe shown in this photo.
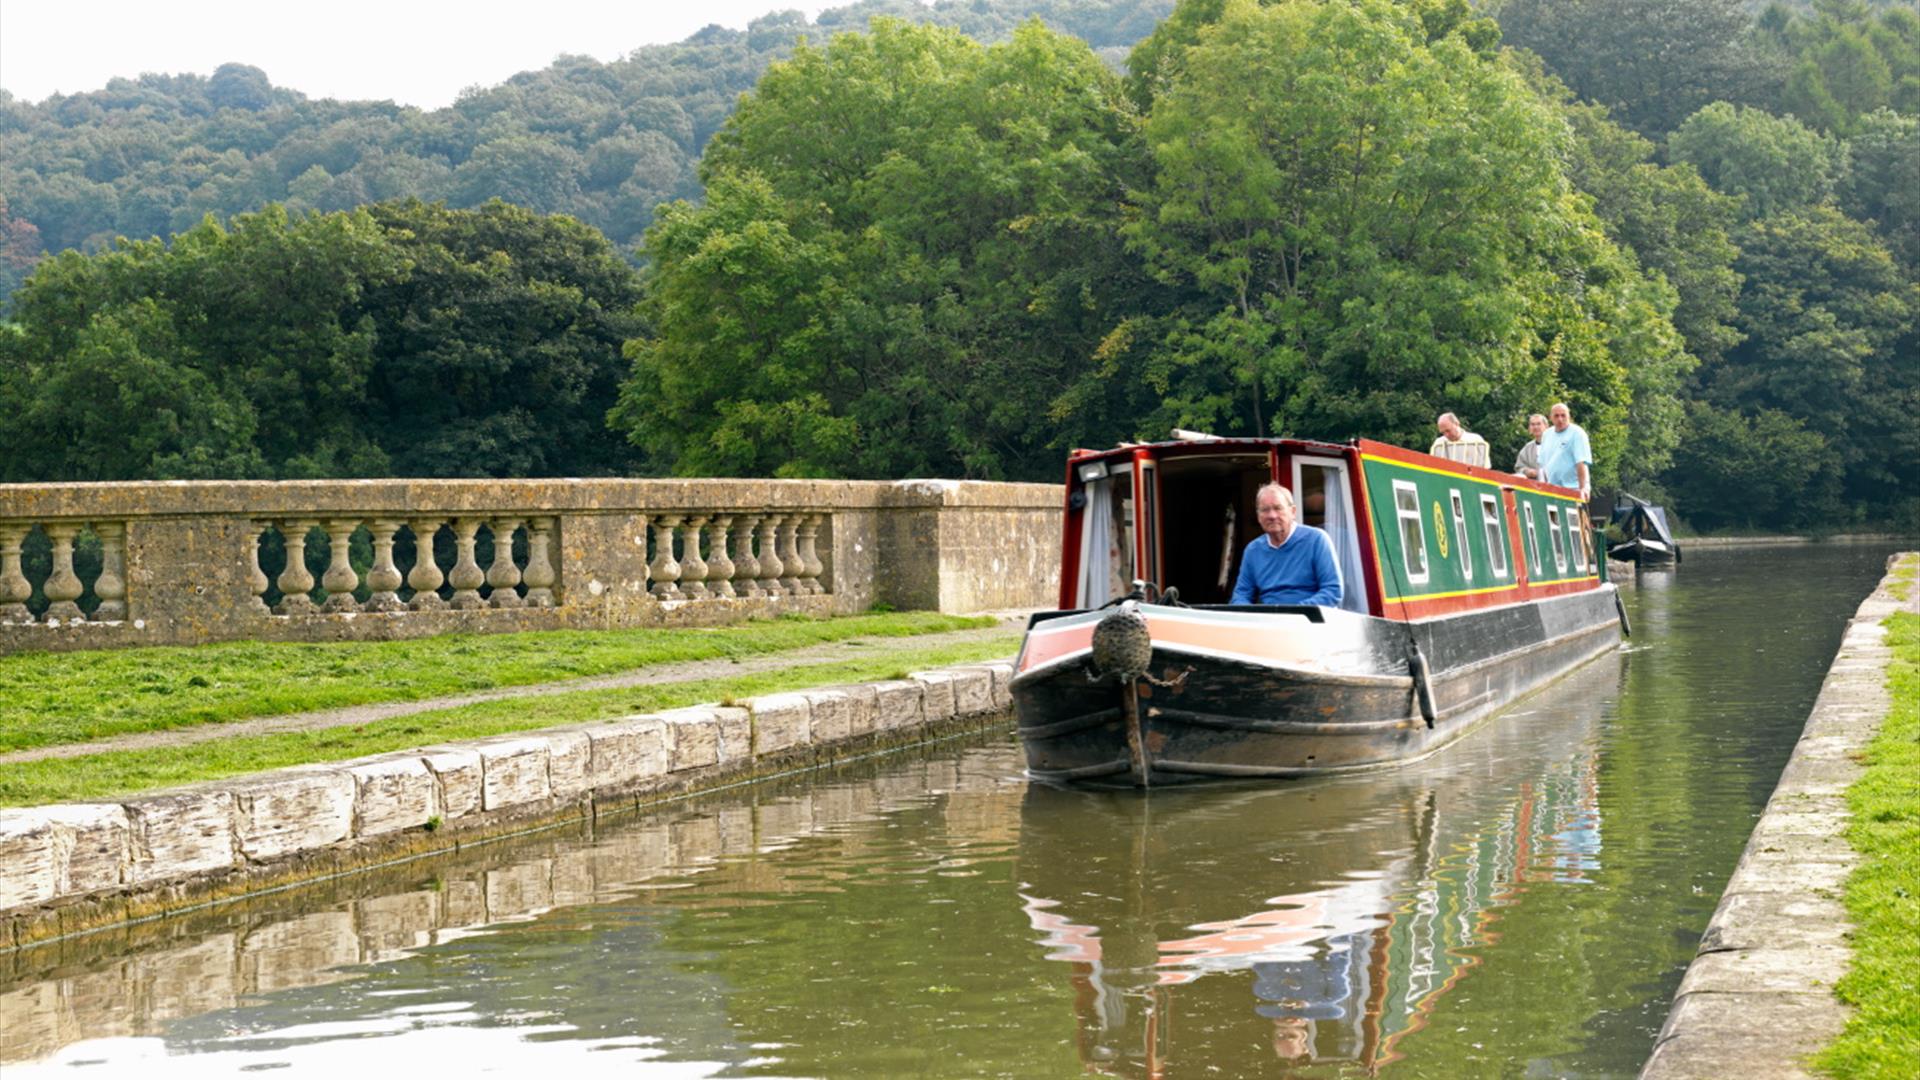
(1043, 645)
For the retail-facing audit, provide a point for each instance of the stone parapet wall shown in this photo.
(181, 563)
(67, 869)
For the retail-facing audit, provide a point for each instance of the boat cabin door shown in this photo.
(1324, 493)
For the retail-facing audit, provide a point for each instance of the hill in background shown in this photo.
(604, 142)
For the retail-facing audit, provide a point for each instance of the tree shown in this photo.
(1881, 182)
(910, 245)
(1760, 471)
(1844, 61)
(1775, 163)
(1827, 314)
(1372, 230)
(499, 352)
(401, 338)
(239, 86)
(1652, 63)
(1671, 220)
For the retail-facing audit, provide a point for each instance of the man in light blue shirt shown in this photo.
(1565, 457)
(1292, 563)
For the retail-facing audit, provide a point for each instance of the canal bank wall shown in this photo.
(75, 868)
(1758, 999)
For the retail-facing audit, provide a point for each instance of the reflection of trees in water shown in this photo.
(1318, 922)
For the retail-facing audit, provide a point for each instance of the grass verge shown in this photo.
(1900, 578)
(120, 773)
(1883, 895)
(49, 699)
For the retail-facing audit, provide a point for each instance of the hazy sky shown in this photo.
(416, 52)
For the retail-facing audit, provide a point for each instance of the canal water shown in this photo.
(1521, 905)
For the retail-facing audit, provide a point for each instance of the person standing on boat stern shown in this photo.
(1527, 462)
(1458, 444)
(1565, 457)
(1292, 563)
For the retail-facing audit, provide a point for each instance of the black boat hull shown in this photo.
(1239, 718)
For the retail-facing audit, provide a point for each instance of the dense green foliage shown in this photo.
(910, 242)
(909, 253)
(1380, 230)
(603, 142)
(395, 339)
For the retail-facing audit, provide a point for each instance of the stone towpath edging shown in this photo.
(72, 868)
(1758, 999)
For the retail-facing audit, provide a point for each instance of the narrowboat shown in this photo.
(1648, 540)
(1463, 589)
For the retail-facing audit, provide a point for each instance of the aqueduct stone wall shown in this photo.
(180, 562)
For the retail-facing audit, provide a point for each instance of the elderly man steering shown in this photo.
(1292, 563)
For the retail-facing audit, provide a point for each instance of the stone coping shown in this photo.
(1785, 538)
(1758, 998)
(72, 868)
(402, 497)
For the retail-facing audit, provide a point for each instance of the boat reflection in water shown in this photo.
(1326, 919)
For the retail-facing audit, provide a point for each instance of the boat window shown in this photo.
(1413, 539)
(1533, 539)
(1559, 545)
(1575, 534)
(1460, 534)
(1496, 536)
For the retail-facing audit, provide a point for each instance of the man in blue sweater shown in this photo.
(1292, 563)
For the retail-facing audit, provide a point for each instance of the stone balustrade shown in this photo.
(169, 563)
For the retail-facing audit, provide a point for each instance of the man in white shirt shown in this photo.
(1458, 444)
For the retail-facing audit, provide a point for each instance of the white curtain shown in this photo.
(1096, 544)
(1346, 542)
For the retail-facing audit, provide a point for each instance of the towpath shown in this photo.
(1758, 998)
(688, 671)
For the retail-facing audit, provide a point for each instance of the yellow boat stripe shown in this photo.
(1461, 592)
(1398, 464)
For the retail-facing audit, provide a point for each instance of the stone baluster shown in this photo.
(771, 566)
(746, 568)
(295, 581)
(111, 585)
(693, 568)
(719, 566)
(809, 558)
(340, 579)
(540, 574)
(467, 577)
(63, 585)
(15, 589)
(425, 577)
(257, 581)
(383, 578)
(665, 569)
(503, 575)
(790, 565)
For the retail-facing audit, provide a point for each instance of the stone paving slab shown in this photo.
(1757, 1000)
